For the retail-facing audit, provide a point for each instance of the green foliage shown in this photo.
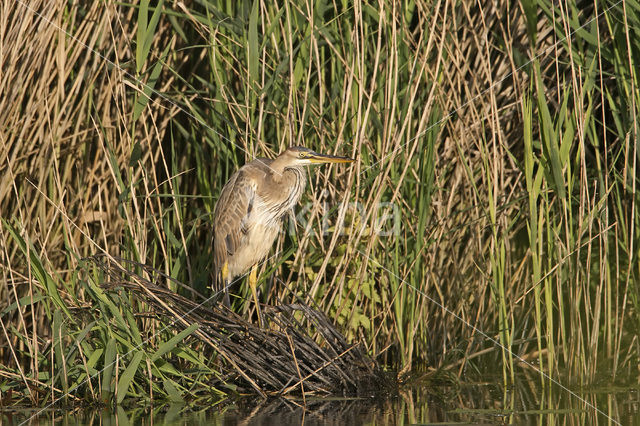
(103, 353)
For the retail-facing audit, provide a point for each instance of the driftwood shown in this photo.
(298, 351)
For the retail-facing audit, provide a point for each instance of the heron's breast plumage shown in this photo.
(284, 196)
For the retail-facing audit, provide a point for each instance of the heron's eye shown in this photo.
(301, 155)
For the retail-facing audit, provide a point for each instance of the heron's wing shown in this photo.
(231, 215)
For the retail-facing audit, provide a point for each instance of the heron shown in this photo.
(250, 211)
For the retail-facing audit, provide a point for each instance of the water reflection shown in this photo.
(486, 402)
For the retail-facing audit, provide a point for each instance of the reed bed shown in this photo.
(490, 220)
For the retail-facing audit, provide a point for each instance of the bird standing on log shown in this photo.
(249, 213)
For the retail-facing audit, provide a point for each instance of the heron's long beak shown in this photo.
(326, 158)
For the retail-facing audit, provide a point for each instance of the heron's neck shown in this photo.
(278, 165)
(297, 180)
(295, 173)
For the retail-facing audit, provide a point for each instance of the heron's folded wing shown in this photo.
(230, 217)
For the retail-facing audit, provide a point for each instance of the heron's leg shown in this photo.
(253, 281)
(225, 282)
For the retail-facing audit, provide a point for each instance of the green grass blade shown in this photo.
(59, 333)
(549, 137)
(141, 34)
(108, 371)
(170, 344)
(24, 301)
(151, 29)
(127, 376)
(253, 46)
(172, 390)
(143, 98)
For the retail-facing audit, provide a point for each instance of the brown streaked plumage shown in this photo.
(248, 215)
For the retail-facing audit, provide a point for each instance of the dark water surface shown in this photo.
(474, 403)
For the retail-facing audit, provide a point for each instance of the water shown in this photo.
(476, 403)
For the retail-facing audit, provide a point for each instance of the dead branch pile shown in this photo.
(299, 351)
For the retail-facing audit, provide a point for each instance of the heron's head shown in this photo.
(301, 156)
